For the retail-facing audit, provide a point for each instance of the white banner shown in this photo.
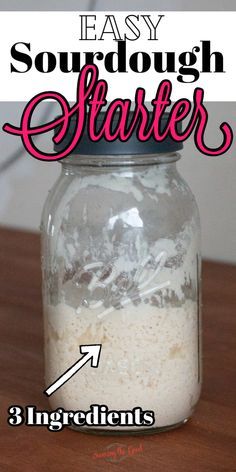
(36, 52)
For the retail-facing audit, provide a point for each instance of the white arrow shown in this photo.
(91, 351)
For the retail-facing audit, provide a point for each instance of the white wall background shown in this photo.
(24, 186)
(118, 5)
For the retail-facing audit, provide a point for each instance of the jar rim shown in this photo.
(87, 160)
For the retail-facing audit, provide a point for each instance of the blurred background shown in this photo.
(24, 181)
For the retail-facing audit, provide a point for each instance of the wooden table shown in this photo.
(206, 443)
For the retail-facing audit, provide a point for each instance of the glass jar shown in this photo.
(121, 268)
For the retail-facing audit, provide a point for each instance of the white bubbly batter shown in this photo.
(149, 358)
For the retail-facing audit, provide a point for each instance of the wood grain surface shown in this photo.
(206, 443)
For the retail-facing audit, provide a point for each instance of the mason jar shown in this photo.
(121, 268)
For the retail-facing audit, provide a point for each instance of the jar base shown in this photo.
(140, 432)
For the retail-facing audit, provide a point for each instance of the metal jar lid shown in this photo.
(133, 146)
